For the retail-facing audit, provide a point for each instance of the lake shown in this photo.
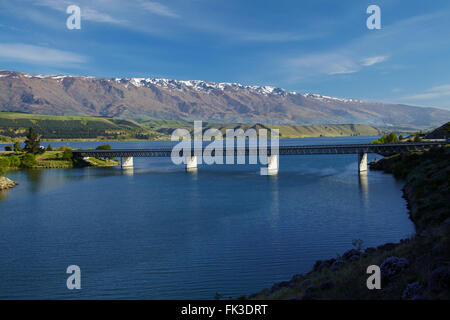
(157, 232)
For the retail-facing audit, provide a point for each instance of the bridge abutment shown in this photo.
(191, 163)
(362, 162)
(272, 166)
(127, 162)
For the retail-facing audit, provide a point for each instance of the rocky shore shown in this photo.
(6, 183)
(416, 268)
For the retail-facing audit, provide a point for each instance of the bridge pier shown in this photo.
(272, 166)
(191, 163)
(362, 162)
(127, 162)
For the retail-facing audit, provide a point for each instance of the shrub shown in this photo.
(5, 162)
(67, 154)
(389, 138)
(14, 161)
(28, 161)
(49, 148)
(104, 147)
(17, 147)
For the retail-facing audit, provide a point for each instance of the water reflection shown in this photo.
(34, 176)
(128, 171)
(275, 199)
(3, 194)
(364, 186)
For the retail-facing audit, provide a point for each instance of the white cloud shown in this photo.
(367, 62)
(324, 64)
(159, 9)
(87, 13)
(331, 64)
(432, 93)
(93, 15)
(37, 54)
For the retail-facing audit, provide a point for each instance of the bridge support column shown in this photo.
(362, 162)
(272, 166)
(127, 162)
(191, 163)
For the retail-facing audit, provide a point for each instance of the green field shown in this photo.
(15, 126)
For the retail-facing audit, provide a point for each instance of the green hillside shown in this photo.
(15, 126)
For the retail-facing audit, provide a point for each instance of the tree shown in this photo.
(389, 138)
(33, 142)
(417, 138)
(67, 154)
(49, 148)
(17, 147)
(104, 147)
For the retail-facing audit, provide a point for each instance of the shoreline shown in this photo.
(415, 268)
(169, 140)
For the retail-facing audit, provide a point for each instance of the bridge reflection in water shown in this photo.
(272, 167)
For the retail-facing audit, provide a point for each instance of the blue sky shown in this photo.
(318, 46)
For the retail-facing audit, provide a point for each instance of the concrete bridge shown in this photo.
(361, 150)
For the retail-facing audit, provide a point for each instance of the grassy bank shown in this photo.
(48, 160)
(14, 126)
(415, 268)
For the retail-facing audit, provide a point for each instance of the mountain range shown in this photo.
(142, 98)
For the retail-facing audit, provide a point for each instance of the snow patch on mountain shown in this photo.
(184, 85)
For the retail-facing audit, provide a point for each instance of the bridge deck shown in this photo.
(383, 149)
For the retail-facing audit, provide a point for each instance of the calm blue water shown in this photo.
(161, 233)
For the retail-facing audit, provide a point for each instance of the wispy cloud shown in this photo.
(158, 9)
(36, 54)
(432, 93)
(331, 64)
(367, 62)
(87, 12)
(323, 64)
(94, 15)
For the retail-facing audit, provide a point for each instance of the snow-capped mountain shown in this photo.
(196, 100)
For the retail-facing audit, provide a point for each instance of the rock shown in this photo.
(387, 246)
(326, 285)
(309, 292)
(393, 266)
(305, 282)
(425, 234)
(350, 253)
(317, 265)
(6, 183)
(354, 258)
(405, 241)
(439, 279)
(280, 285)
(320, 265)
(296, 277)
(445, 226)
(412, 291)
(337, 265)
